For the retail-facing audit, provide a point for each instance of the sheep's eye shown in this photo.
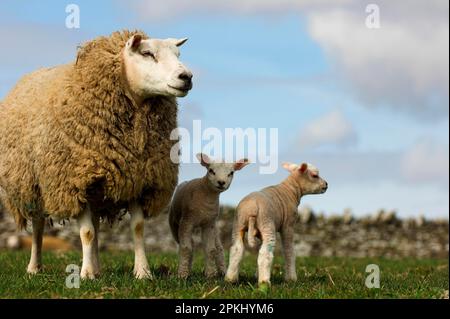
(315, 176)
(149, 54)
(211, 171)
(231, 174)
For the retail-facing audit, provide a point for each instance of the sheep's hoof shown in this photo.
(33, 269)
(87, 273)
(143, 274)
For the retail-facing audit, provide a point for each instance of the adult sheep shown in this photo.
(91, 138)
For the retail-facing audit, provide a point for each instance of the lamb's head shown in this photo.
(307, 178)
(220, 174)
(153, 68)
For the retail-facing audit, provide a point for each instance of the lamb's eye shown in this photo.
(231, 174)
(148, 54)
(315, 176)
(211, 171)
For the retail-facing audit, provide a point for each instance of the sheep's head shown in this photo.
(220, 174)
(307, 177)
(153, 68)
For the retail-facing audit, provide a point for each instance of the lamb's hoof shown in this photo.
(33, 269)
(264, 286)
(183, 275)
(88, 273)
(211, 274)
(231, 279)
(290, 278)
(143, 273)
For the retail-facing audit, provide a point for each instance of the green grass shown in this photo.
(318, 277)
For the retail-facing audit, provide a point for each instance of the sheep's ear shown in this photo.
(303, 168)
(241, 164)
(135, 42)
(178, 42)
(203, 159)
(290, 167)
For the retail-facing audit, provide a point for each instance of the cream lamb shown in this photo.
(273, 209)
(91, 138)
(196, 204)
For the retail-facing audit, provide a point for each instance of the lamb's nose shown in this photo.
(221, 183)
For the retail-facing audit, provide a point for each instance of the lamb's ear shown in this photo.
(203, 159)
(290, 167)
(241, 164)
(135, 42)
(303, 168)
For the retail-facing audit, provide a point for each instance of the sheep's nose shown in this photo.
(186, 77)
(221, 183)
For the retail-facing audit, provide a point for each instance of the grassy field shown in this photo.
(318, 278)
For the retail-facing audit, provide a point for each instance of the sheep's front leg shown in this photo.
(287, 237)
(96, 258)
(220, 256)
(36, 246)
(87, 235)
(141, 268)
(185, 249)
(236, 254)
(209, 235)
(265, 256)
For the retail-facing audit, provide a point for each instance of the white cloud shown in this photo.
(426, 161)
(330, 129)
(403, 64)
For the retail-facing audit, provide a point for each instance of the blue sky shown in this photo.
(379, 95)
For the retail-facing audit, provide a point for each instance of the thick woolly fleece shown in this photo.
(72, 135)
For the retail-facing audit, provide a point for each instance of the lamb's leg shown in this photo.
(287, 237)
(185, 249)
(220, 256)
(87, 235)
(141, 268)
(236, 254)
(265, 256)
(209, 245)
(96, 258)
(36, 246)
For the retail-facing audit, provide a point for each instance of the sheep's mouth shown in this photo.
(183, 89)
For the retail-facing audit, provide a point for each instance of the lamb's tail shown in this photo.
(251, 232)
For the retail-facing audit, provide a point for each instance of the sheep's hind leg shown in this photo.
(141, 268)
(36, 246)
(236, 254)
(87, 235)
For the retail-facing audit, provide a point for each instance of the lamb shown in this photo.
(92, 138)
(196, 204)
(273, 209)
